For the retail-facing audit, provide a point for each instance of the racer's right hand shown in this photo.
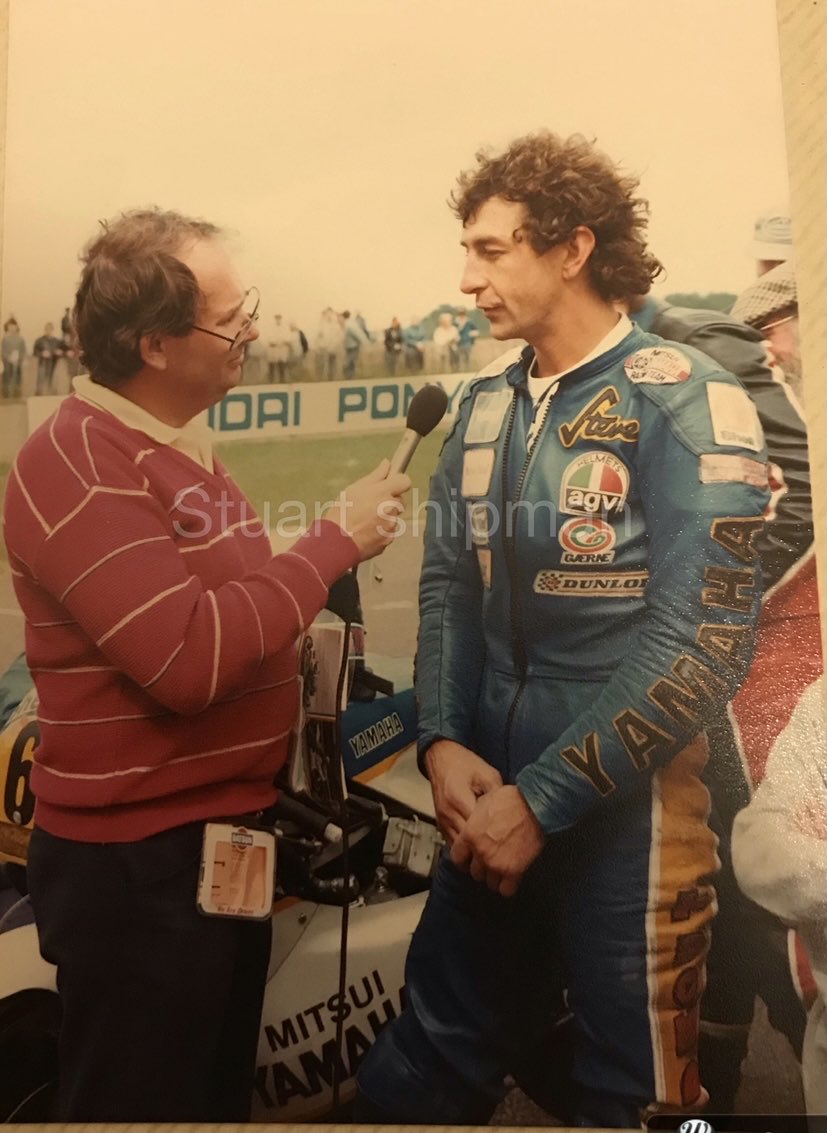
(369, 508)
(458, 777)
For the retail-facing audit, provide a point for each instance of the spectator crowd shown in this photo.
(47, 351)
(343, 346)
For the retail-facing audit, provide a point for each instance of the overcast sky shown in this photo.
(328, 133)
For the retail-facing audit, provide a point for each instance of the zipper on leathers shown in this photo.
(510, 553)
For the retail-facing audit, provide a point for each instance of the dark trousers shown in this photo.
(748, 955)
(161, 1005)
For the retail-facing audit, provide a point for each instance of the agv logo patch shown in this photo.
(596, 482)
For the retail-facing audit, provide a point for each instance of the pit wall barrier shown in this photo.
(264, 412)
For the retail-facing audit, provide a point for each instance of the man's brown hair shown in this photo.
(564, 183)
(133, 284)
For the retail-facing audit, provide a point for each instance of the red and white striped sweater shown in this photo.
(160, 629)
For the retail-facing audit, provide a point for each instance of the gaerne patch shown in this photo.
(734, 417)
(729, 468)
(596, 482)
(587, 541)
(477, 467)
(657, 365)
(487, 417)
(575, 584)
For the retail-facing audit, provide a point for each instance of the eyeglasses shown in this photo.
(252, 296)
(778, 322)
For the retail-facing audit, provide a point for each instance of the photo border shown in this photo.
(801, 49)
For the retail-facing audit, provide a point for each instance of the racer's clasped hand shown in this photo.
(458, 778)
(499, 841)
(490, 828)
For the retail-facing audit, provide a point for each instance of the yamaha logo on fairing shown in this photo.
(363, 743)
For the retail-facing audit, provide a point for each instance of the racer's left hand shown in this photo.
(499, 841)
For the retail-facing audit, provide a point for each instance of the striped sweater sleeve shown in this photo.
(96, 547)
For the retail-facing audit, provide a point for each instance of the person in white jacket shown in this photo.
(779, 851)
(446, 344)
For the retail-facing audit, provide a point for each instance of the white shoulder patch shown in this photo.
(501, 363)
(657, 365)
(734, 417)
(487, 417)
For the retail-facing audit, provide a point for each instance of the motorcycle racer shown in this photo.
(588, 596)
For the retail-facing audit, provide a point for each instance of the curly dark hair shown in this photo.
(133, 284)
(566, 182)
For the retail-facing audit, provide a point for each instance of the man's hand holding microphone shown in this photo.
(369, 509)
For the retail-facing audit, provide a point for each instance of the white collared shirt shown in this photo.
(194, 439)
(542, 389)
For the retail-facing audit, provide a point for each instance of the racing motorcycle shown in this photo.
(357, 844)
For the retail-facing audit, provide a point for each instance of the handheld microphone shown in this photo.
(426, 410)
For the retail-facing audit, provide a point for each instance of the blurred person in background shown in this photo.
(70, 353)
(354, 339)
(47, 349)
(750, 952)
(329, 344)
(468, 334)
(363, 326)
(278, 350)
(13, 351)
(772, 242)
(770, 305)
(779, 850)
(394, 343)
(414, 346)
(445, 339)
(299, 347)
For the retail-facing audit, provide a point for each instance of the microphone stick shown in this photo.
(426, 410)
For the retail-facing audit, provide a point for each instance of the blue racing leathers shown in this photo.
(587, 603)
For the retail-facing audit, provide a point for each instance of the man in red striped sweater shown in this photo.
(161, 632)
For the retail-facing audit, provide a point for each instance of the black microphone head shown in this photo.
(427, 409)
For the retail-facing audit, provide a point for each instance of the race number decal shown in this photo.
(18, 741)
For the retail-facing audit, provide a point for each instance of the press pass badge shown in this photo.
(238, 867)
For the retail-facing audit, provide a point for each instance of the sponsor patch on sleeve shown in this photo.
(487, 417)
(734, 417)
(728, 468)
(477, 467)
(657, 365)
